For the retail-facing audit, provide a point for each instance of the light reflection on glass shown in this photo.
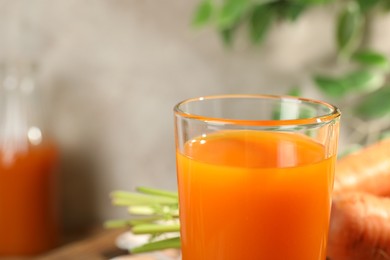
(34, 135)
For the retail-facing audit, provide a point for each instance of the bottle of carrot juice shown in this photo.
(28, 169)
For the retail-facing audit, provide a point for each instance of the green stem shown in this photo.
(142, 210)
(155, 228)
(158, 245)
(143, 221)
(116, 223)
(163, 211)
(157, 192)
(265, 2)
(123, 198)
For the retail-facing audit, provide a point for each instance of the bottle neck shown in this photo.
(19, 126)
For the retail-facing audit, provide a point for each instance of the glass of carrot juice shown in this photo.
(255, 176)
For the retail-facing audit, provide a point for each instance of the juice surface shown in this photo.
(28, 216)
(254, 195)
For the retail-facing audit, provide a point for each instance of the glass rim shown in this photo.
(332, 115)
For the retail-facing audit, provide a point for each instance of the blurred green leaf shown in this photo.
(294, 91)
(366, 5)
(330, 86)
(362, 81)
(260, 22)
(227, 36)
(306, 112)
(371, 58)
(294, 10)
(276, 114)
(384, 135)
(386, 5)
(203, 13)
(289, 10)
(375, 105)
(313, 1)
(231, 12)
(349, 28)
(355, 81)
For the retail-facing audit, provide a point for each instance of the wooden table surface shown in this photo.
(99, 246)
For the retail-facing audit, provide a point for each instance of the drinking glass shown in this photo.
(255, 176)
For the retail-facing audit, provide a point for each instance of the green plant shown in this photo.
(361, 90)
(152, 211)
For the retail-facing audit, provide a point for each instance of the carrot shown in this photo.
(367, 170)
(360, 227)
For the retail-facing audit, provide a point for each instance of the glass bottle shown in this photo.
(28, 168)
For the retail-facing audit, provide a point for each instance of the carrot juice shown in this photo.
(254, 195)
(28, 216)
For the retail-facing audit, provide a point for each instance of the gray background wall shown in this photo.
(111, 72)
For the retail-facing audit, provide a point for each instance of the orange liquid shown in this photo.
(28, 216)
(254, 195)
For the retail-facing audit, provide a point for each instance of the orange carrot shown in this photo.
(360, 227)
(367, 170)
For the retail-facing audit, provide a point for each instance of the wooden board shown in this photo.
(100, 246)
